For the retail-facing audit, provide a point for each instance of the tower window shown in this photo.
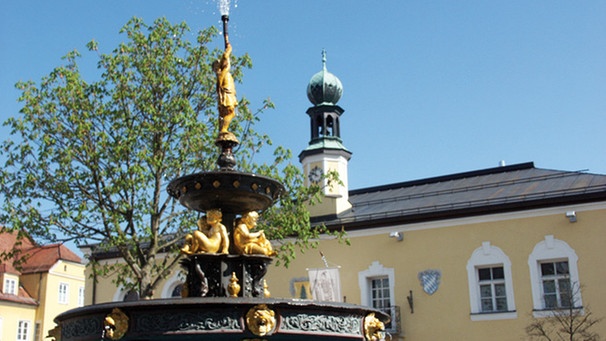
(329, 126)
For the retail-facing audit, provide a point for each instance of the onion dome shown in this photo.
(324, 87)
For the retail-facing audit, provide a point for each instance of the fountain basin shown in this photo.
(220, 318)
(231, 191)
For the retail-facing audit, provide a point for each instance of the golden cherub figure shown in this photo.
(211, 236)
(247, 242)
(226, 90)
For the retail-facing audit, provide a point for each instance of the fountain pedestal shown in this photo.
(209, 275)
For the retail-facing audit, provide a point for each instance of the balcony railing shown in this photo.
(394, 327)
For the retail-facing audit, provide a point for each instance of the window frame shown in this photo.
(489, 256)
(493, 284)
(81, 296)
(23, 332)
(10, 287)
(556, 279)
(63, 297)
(375, 271)
(378, 301)
(37, 331)
(546, 251)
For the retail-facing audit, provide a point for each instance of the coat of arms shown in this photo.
(430, 280)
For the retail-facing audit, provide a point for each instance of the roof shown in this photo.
(41, 259)
(324, 87)
(37, 258)
(22, 297)
(494, 190)
(8, 240)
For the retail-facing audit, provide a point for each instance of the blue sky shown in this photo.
(430, 87)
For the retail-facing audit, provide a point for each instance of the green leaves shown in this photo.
(89, 160)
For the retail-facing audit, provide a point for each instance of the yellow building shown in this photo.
(471, 256)
(49, 282)
(468, 256)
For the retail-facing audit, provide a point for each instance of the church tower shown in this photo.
(325, 151)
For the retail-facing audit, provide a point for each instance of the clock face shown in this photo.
(315, 174)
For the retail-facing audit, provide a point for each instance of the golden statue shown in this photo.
(211, 236)
(226, 90)
(247, 242)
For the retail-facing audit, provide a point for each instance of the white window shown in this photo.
(80, 296)
(63, 293)
(493, 296)
(555, 279)
(377, 291)
(553, 275)
(10, 286)
(23, 331)
(490, 284)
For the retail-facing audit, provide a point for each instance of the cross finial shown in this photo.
(324, 59)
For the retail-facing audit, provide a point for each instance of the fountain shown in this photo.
(225, 294)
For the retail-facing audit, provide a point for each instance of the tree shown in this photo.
(568, 322)
(90, 161)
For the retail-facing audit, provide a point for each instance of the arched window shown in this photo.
(554, 277)
(173, 286)
(329, 126)
(490, 284)
(177, 290)
(123, 294)
(321, 129)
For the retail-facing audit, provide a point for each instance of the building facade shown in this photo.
(446, 265)
(49, 282)
(478, 255)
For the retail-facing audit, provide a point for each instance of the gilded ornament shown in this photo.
(216, 184)
(261, 320)
(198, 185)
(233, 288)
(374, 329)
(183, 189)
(247, 242)
(211, 236)
(254, 186)
(115, 324)
(236, 184)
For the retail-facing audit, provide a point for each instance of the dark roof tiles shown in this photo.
(519, 187)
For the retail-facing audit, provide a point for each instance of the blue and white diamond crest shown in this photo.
(430, 280)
